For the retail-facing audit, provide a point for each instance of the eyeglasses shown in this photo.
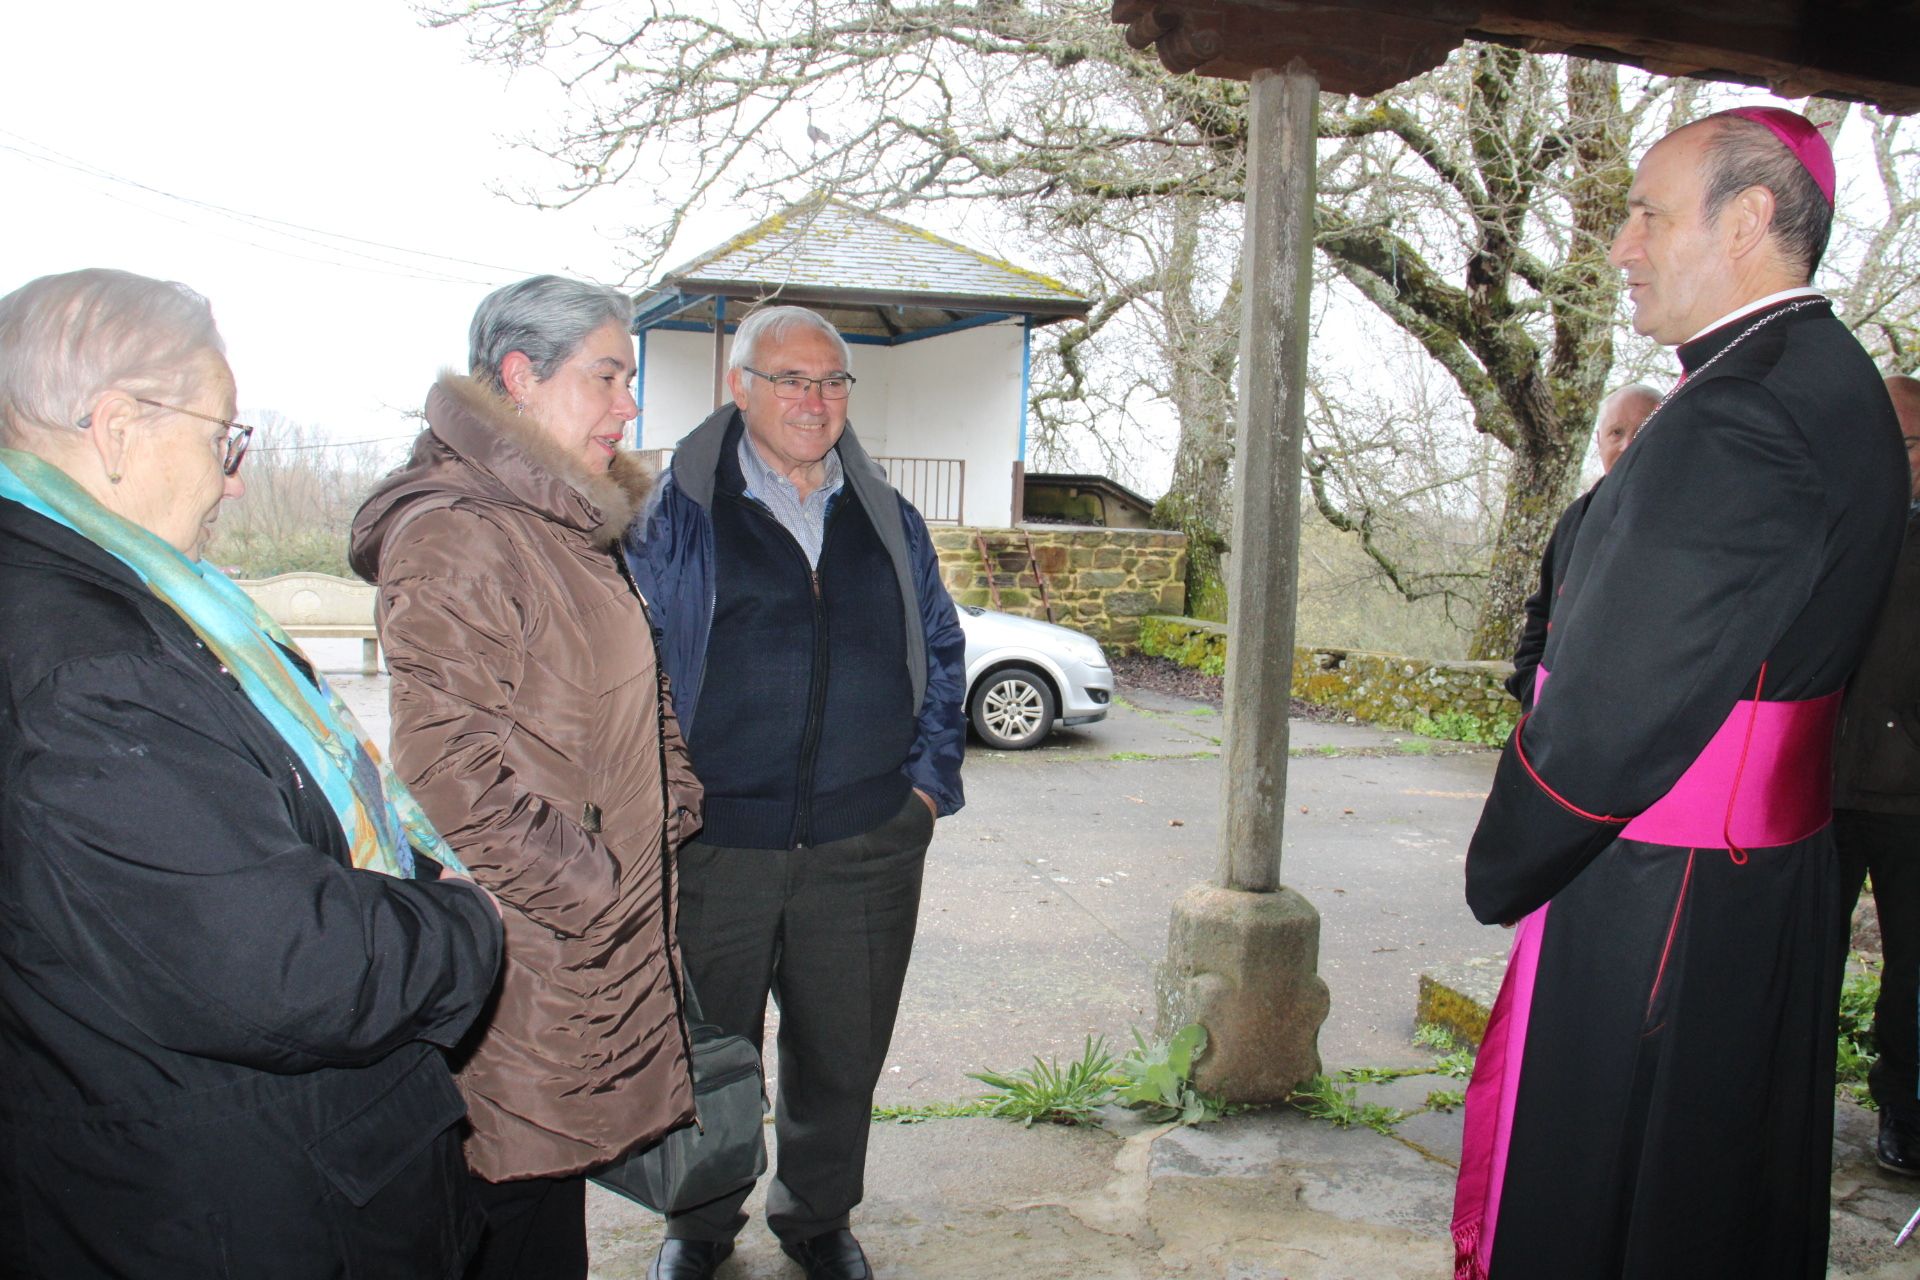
(791, 386)
(239, 434)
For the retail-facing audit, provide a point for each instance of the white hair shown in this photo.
(772, 322)
(64, 339)
(1633, 390)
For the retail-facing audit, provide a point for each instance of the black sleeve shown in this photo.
(1533, 634)
(161, 864)
(1539, 605)
(1715, 547)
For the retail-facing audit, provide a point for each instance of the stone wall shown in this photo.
(1451, 699)
(1101, 581)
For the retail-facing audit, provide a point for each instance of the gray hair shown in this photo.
(772, 322)
(544, 318)
(64, 339)
(1744, 153)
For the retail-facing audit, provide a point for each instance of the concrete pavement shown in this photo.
(1044, 909)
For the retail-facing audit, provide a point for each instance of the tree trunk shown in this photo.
(1539, 487)
(1201, 353)
(1554, 400)
(1197, 504)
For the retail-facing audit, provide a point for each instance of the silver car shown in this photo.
(1024, 676)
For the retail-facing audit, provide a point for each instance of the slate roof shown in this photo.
(822, 249)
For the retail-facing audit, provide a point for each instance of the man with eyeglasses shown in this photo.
(818, 671)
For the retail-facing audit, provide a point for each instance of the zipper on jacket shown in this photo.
(801, 832)
(816, 717)
(668, 900)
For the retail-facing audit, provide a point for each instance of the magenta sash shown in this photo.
(1765, 779)
(1490, 1104)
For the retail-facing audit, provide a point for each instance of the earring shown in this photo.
(518, 408)
(113, 477)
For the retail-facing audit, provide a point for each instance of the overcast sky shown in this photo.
(343, 119)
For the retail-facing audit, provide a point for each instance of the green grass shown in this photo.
(1857, 1050)
(921, 1112)
(1337, 1100)
(1324, 1099)
(1464, 726)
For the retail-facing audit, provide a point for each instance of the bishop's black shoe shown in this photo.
(688, 1259)
(831, 1255)
(1898, 1150)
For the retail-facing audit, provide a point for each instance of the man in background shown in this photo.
(1876, 818)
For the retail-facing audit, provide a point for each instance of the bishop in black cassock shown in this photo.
(1654, 1097)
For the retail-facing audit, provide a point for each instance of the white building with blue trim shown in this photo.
(942, 339)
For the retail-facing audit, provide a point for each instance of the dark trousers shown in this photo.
(1888, 845)
(827, 932)
(536, 1230)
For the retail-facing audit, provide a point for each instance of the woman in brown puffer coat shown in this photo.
(530, 721)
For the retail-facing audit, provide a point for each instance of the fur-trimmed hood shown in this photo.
(475, 446)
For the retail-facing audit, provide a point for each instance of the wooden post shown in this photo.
(1243, 955)
(1276, 281)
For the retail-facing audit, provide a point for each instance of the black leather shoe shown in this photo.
(689, 1259)
(831, 1255)
(1898, 1150)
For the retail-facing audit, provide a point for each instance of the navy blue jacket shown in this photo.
(670, 552)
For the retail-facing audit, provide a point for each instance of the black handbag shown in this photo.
(724, 1150)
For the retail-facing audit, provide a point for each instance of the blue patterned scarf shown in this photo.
(382, 822)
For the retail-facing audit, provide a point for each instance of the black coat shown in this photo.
(218, 1040)
(1539, 606)
(1876, 764)
(1669, 1111)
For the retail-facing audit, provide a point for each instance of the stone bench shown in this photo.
(321, 606)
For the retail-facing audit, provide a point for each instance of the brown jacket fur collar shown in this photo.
(475, 444)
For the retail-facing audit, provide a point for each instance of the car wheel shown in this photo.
(1013, 709)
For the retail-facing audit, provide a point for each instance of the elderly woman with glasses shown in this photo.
(531, 720)
(227, 981)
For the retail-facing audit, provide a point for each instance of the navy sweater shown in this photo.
(807, 715)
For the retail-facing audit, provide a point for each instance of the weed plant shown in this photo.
(1157, 1078)
(1049, 1092)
